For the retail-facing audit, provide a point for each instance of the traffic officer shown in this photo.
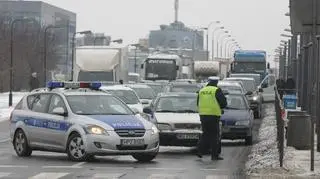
(211, 101)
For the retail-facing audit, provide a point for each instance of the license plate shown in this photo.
(225, 129)
(188, 136)
(132, 142)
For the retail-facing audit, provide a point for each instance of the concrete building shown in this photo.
(47, 15)
(176, 35)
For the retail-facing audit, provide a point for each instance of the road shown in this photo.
(171, 163)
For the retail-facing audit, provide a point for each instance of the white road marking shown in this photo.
(60, 166)
(5, 140)
(53, 175)
(217, 177)
(114, 168)
(108, 175)
(13, 166)
(2, 174)
(79, 164)
(162, 176)
(166, 168)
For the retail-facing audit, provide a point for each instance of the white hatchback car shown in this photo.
(126, 94)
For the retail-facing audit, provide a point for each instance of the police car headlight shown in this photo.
(154, 130)
(96, 130)
(243, 123)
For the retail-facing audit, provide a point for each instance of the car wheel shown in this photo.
(147, 157)
(249, 140)
(76, 148)
(20, 144)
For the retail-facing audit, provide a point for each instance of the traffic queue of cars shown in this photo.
(85, 119)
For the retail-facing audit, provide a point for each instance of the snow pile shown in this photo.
(4, 102)
(264, 157)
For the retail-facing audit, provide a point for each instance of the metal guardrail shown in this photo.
(280, 122)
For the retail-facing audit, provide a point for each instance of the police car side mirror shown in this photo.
(60, 111)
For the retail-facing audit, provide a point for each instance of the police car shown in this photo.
(80, 120)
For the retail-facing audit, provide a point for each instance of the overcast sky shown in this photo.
(255, 24)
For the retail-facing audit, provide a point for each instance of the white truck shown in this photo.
(204, 69)
(101, 63)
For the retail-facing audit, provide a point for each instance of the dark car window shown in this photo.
(40, 103)
(56, 102)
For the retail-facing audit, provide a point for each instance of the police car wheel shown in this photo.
(145, 157)
(20, 144)
(76, 149)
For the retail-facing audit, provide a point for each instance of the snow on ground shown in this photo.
(264, 157)
(4, 103)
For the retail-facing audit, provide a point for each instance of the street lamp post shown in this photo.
(45, 49)
(213, 22)
(11, 55)
(213, 34)
(218, 37)
(222, 38)
(73, 46)
(227, 45)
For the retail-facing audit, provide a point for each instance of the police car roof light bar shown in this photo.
(55, 84)
(74, 85)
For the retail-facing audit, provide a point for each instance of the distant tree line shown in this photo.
(28, 52)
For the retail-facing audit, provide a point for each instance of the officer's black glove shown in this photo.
(222, 111)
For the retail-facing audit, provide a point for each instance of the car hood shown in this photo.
(115, 122)
(170, 118)
(235, 115)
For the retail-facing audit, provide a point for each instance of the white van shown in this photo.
(126, 94)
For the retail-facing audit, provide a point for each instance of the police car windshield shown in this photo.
(177, 104)
(236, 102)
(129, 97)
(97, 105)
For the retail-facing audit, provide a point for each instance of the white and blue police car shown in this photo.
(82, 121)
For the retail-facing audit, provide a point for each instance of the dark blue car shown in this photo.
(237, 120)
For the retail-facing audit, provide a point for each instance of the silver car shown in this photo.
(82, 122)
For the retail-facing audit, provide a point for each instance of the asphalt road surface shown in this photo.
(171, 163)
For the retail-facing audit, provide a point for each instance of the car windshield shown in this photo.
(231, 89)
(156, 88)
(236, 102)
(97, 105)
(127, 96)
(249, 85)
(185, 88)
(177, 104)
(144, 93)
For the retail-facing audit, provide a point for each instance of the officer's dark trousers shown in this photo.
(210, 135)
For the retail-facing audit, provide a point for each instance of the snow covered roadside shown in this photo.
(263, 160)
(4, 101)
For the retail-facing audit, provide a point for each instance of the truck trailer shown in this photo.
(101, 63)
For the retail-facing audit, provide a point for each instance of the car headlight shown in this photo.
(255, 98)
(96, 130)
(154, 130)
(243, 123)
(164, 127)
